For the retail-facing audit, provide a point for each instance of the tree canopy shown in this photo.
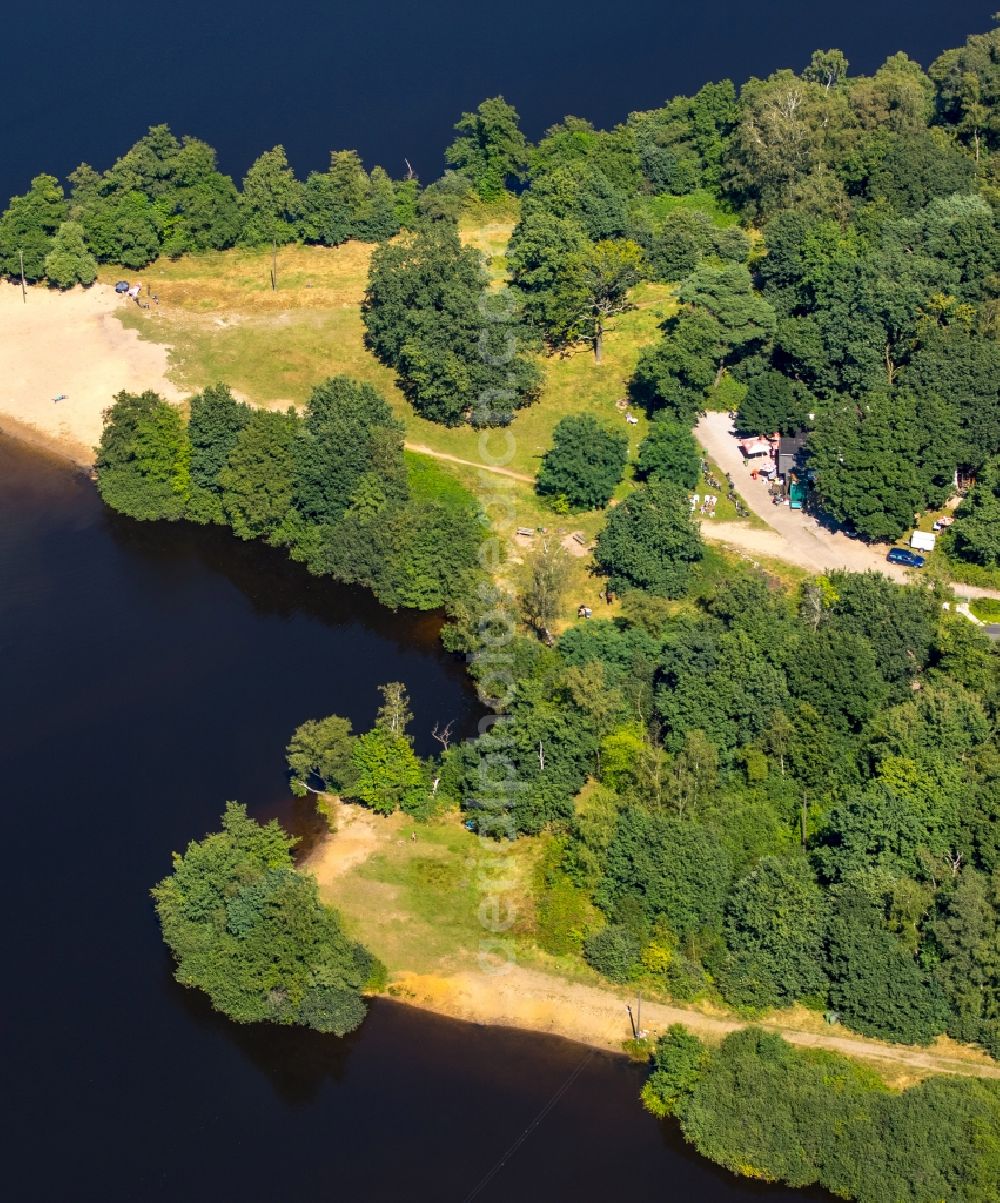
(428, 314)
(584, 464)
(650, 541)
(490, 150)
(249, 930)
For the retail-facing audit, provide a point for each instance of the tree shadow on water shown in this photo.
(274, 585)
(297, 1062)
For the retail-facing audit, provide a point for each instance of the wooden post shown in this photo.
(24, 290)
(274, 264)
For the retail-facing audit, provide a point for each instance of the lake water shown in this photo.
(83, 81)
(149, 673)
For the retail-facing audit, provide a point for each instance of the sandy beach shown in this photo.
(72, 344)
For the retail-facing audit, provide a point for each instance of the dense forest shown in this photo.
(761, 1108)
(332, 485)
(744, 793)
(768, 798)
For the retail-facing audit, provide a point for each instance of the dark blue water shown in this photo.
(83, 81)
(149, 673)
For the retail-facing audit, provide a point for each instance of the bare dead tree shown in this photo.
(443, 734)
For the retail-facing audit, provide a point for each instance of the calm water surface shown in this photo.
(83, 81)
(149, 673)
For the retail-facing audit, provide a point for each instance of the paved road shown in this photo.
(794, 536)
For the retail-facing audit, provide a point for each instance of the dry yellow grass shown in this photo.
(222, 321)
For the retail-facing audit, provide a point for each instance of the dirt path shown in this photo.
(794, 536)
(421, 449)
(516, 995)
(532, 999)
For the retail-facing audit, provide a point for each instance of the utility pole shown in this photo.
(631, 1019)
(24, 290)
(274, 264)
(638, 1021)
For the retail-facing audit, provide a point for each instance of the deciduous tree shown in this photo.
(387, 774)
(321, 750)
(69, 262)
(649, 541)
(429, 314)
(216, 421)
(250, 931)
(490, 150)
(28, 227)
(143, 459)
(670, 452)
(257, 480)
(774, 930)
(271, 201)
(585, 463)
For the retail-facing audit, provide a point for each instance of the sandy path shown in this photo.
(357, 838)
(514, 995)
(793, 536)
(539, 1001)
(70, 343)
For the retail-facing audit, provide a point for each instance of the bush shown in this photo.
(613, 951)
(986, 609)
(565, 914)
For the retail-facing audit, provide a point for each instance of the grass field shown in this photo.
(222, 322)
(426, 882)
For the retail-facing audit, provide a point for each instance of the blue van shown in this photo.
(902, 555)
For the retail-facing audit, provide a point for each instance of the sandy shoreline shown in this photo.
(516, 995)
(535, 1001)
(70, 344)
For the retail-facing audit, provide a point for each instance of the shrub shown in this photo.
(613, 951)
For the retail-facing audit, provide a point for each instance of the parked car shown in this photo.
(902, 555)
